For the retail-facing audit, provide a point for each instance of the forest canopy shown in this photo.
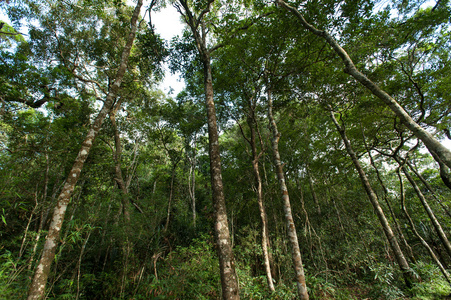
(307, 156)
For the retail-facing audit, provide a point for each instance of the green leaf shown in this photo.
(8, 33)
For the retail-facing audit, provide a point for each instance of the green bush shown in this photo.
(13, 277)
(188, 273)
(433, 284)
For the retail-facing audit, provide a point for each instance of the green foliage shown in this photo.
(8, 34)
(13, 276)
(387, 281)
(188, 273)
(65, 67)
(256, 287)
(432, 286)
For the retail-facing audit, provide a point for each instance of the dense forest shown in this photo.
(307, 156)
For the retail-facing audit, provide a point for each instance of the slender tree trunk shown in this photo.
(171, 189)
(438, 228)
(37, 287)
(307, 225)
(192, 187)
(264, 242)
(294, 243)
(43, 216)
(265, 234)
(414, 230)
(123, 187)
(309, 228)
(312, 189)
(24, 239)
(408, 274)
(83, 247)
(443, 154)
(117, 155)
(229, 279)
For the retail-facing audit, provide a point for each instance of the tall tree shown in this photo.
(37, 287)
(198, 27)
(292, 235)
(415, 231)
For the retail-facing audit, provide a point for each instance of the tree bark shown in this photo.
(434, 146)
(229, 279)
(407, 272)
(117, 155)
(37, 287)
(261, 206)
(295, 251)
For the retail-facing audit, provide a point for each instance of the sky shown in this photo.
(168, 24)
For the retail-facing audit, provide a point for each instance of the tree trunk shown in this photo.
(412, 226)
(78, 267)
(123, 187)
(295, 251)
(265, 238)
(229, 279)
(443, 154)
(408, 274)
(24, 239)
(171, 191)
(192, 187)
(392, 213)
(429, 187)
(117, 154)
(312, 189)
(37, 287)
(438, 228)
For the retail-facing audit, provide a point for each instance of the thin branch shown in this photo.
(203, 12)
(242, 133)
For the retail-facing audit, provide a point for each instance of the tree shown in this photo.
(440, 152)
(292, 235)
(37, 287)
(408, 274)
(197, 25)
